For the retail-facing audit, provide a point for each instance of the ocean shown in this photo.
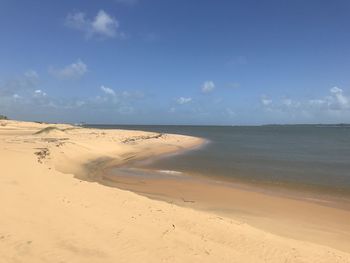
(308, 158)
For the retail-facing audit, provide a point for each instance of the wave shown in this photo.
(171, 172)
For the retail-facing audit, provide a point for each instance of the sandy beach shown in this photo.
(54, 210)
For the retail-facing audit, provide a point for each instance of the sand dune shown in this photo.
(49, 214)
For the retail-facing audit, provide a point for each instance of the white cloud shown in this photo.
(72, 71)
(183, 100)
(332, 108)
(39, 93)
(107, 90)
(340, 99)
(102, 25)
(336, 101)
(265, 101)
(208, 86)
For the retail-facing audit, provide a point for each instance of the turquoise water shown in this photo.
(294, 156)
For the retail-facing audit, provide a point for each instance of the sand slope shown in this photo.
(47, 215)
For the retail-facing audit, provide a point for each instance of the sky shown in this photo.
(207, 62)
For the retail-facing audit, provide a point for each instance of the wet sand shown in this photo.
(284, 214)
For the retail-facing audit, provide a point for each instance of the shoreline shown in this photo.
(308, 193)
(311, 196)
(146, 182)
(50, 215)
(95, 170)
(281, 215)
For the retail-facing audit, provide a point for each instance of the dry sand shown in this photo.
(48, 214)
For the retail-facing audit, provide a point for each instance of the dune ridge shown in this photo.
(49, 214)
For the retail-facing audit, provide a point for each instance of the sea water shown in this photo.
(307, 157)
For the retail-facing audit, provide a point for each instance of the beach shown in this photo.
(56, 207)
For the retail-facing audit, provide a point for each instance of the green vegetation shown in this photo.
(53, 128)
(47, 130)
(3, 117)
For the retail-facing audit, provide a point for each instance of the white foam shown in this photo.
(172, 172)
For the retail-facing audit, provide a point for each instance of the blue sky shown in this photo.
(175, 61)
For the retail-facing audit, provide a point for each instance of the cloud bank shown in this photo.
(335, 107)
(25, 96)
